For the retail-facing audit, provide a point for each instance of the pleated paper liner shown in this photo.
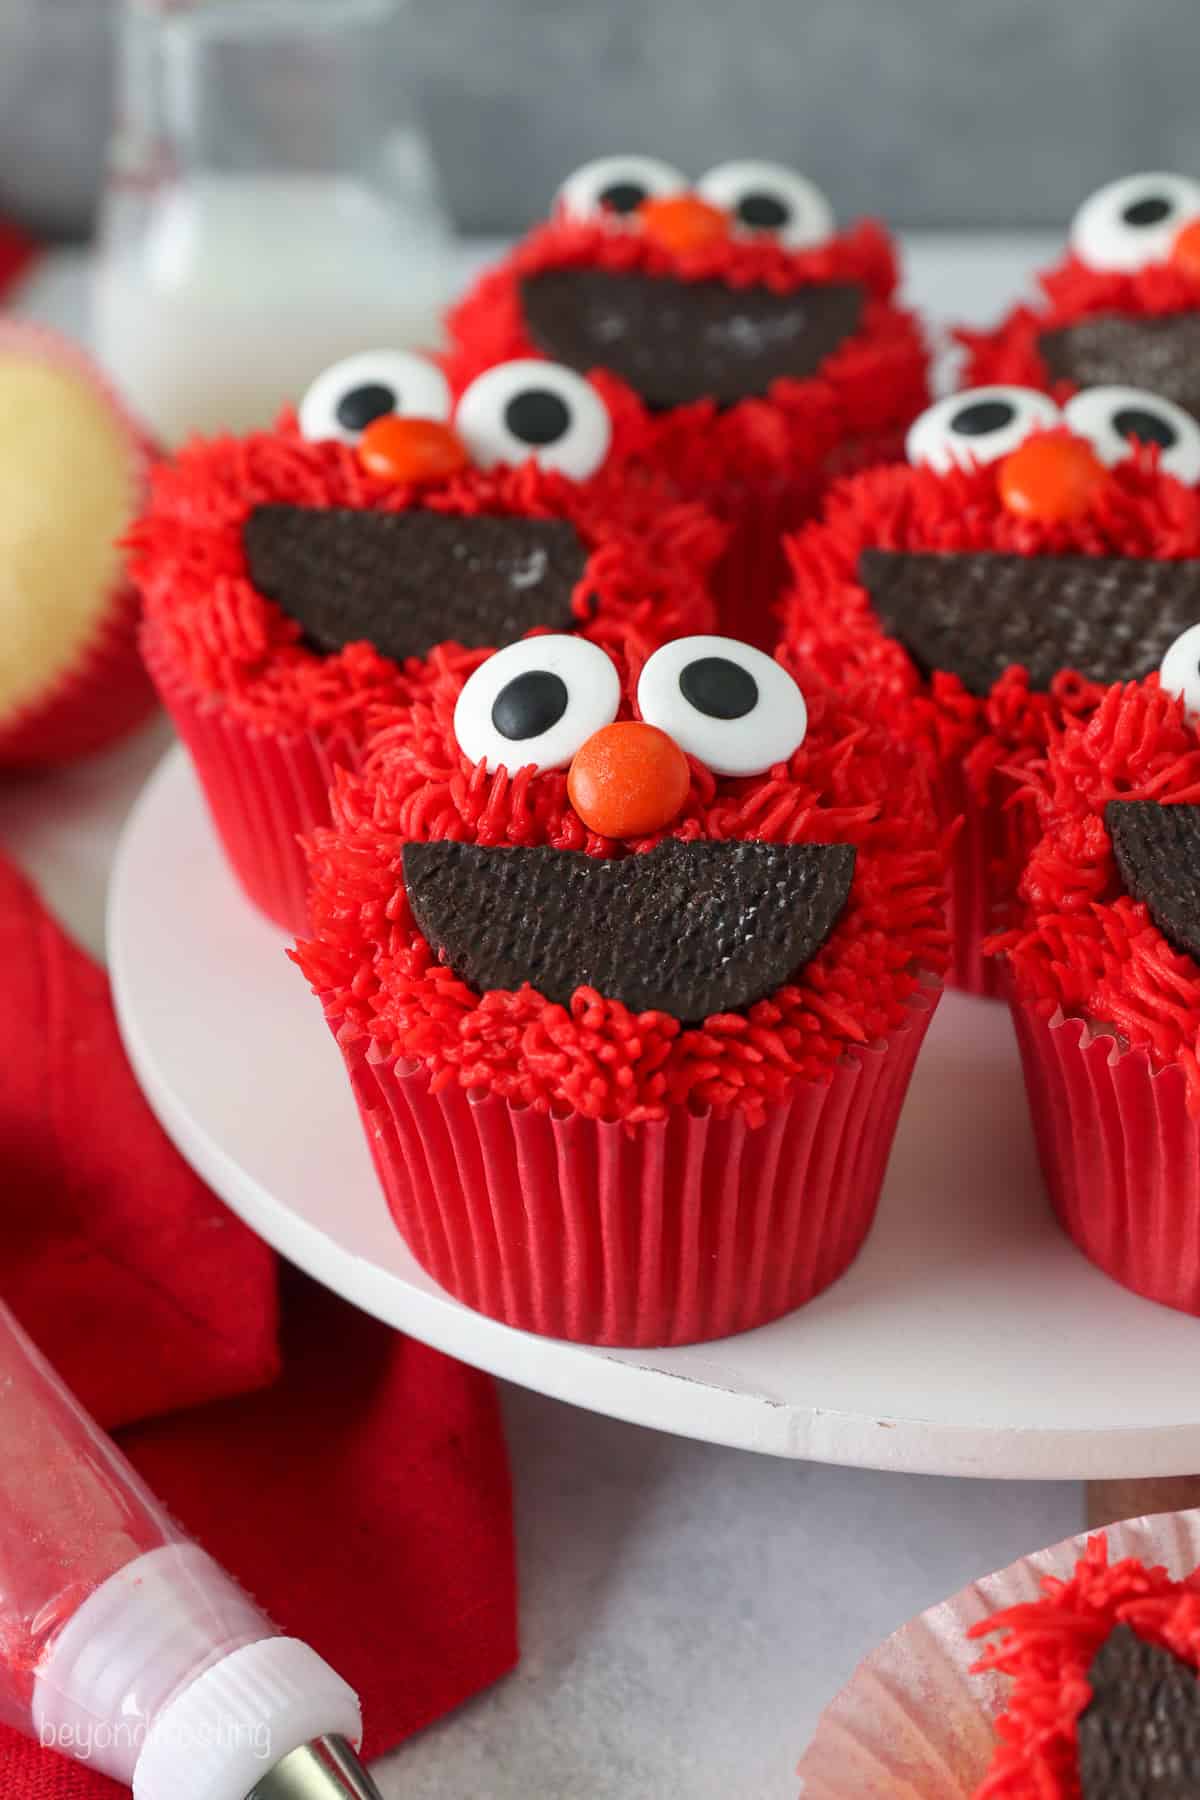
(671, 1232)
(1120, 1153)
(265, 789)
(749, 578)
(913, 1723)
(992, 842)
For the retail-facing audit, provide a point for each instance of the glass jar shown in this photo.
(270, 205)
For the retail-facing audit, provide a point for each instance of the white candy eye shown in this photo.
(1112, 418)
(539, 409)
(766, 196)
(615, 186)
(978, 426)
(1179, 671)
(728, 705)
(344, 398)
(536, 701)
(1133, 221)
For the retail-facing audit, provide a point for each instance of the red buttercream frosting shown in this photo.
(1048, 1647)
(870, 384)
(831, 627)
(1078, 940)
(376, 972)
(645, 579)
(1010, 353)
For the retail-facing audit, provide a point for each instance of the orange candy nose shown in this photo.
(682, 221)
(410, 449)
(628, 780)
(1051, 478)
(1185, 251)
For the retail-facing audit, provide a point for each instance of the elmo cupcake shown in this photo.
(629, 970)
(73, 472)
(1103, 959)
(297, 580)
(990, 590)
(763, 343)
(1122, 308)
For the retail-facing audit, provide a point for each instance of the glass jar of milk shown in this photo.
(271, 205)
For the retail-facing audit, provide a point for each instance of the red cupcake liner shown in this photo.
(103, 694)
(749, 579)
(672, 1232)
(265, 789)
(991, 843)
(1120, 1153)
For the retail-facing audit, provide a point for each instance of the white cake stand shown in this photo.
(970, 1338)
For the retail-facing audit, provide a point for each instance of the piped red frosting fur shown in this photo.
(1079, 941)
(645, 579)
(380, 978)
(829, 625)
(1048, 1647)
(1010, 353)
(872, 383)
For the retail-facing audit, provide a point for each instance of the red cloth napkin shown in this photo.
(362, 1497)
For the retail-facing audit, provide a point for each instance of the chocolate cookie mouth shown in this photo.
(1161, 354)
(689, 929)
(1139, 1735)
(679, 341)
(974, 614)
(406, 581)
(1157, 851)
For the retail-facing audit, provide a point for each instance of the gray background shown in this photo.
(932, 112)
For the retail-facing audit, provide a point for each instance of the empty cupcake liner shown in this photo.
(913, 1723)
(688, 1228)
(1120, 1153)
(265, 789)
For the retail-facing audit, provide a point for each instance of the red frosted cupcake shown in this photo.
(1122, 308)
(765, 345)
(296, 581)
(73, 472)
(1103, 959)
(629, 1027)
(991, 589)
(1104, 1701)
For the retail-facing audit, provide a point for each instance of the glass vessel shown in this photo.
(270, 205)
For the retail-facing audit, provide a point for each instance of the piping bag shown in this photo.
(125, 1645)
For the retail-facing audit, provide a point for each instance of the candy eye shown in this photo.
(1133, 221)
(724, 703)
(536, 702)
(615, 186)
(1179, 671)
(1114, 418)
(978, 426)
(539, 409)
(766, 196)
(346, 397)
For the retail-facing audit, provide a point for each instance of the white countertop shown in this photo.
(686, 1611)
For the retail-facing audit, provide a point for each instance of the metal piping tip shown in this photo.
(326, 1769)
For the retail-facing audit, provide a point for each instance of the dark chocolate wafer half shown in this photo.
(406, 581)
(689, 929)
(1139, 1736)
(1157, 849)
(679, 341)
(975, 614)
(1161, 355)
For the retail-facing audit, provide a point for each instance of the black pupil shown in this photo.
(623, 196)
(356, 409)
(529, 704)
(1132, 422)
(983, 416)
(719, 688)
(764, 212)
(1151, 211)
(537, 416)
